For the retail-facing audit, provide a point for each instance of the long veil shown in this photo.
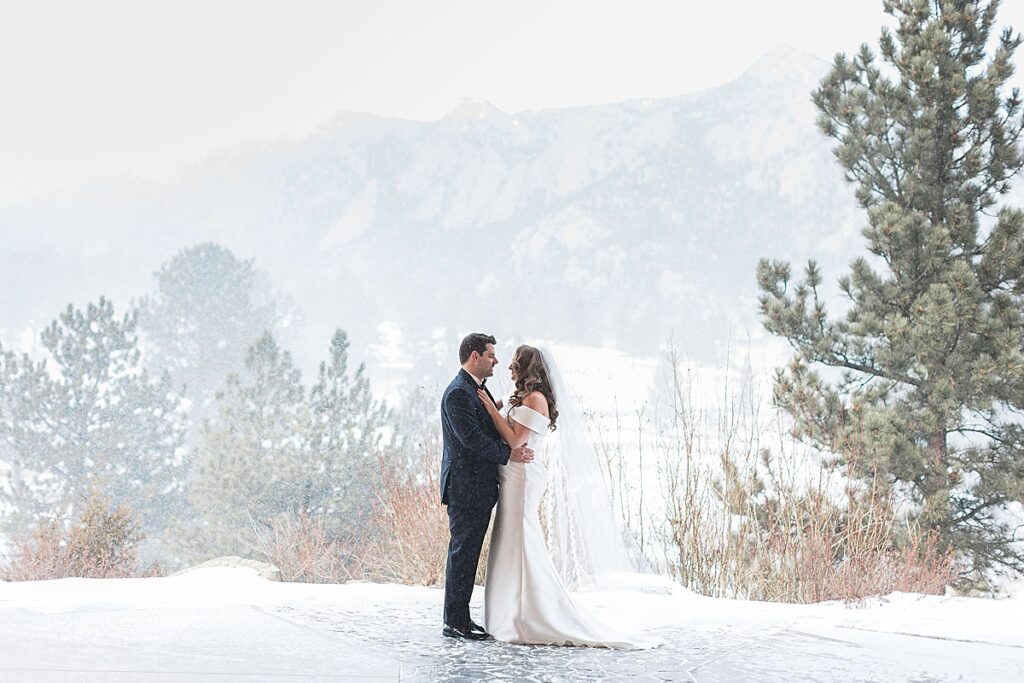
(588, 547)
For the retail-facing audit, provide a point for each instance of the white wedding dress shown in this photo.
(525, 600)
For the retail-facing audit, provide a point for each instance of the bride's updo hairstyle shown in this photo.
(531, 375)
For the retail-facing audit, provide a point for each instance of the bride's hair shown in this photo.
(531, 375)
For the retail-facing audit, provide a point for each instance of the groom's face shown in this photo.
(486, 362)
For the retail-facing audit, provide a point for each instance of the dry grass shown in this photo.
(102, 543)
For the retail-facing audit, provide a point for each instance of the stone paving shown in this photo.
(705, 652)
(413, 636)
(393, 634)
(224, 643)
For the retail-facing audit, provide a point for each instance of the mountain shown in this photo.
(613, 224)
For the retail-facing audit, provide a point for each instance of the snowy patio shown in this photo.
(231, 625)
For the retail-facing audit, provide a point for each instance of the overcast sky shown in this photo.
(95, 89)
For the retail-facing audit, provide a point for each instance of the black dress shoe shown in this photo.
(464, 632)
(478, 629)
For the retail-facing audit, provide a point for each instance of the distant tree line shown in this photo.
(186, 409)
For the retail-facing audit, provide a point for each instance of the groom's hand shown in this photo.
(521, 454)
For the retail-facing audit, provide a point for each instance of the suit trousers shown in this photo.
(467, 526)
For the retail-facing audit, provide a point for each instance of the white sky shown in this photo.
(100, 88)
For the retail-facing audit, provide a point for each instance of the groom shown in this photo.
(469, 479)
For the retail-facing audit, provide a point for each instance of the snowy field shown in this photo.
(228, 624)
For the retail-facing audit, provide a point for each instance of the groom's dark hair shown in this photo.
(474, 342)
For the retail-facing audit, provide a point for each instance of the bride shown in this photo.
(525, 598)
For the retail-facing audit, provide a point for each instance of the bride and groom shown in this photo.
(490, 458)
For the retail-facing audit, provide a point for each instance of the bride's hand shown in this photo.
(488, 403)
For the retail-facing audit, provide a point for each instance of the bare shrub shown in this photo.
(102, 543)
(405, 542)
(408, 535)
(805, 547)
(874, 552)
(744, 521)
(409, 538)
(304, 549)
(406, 538)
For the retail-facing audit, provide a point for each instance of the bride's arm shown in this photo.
(514, 434)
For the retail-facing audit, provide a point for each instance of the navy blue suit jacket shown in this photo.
(473, 450)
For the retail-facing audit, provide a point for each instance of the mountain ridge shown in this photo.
(613, 223)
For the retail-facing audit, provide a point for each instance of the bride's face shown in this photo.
(513, 368)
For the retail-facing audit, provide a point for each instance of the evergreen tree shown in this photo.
(345, 440)
(246, 457)
(98, 421)
(208, 308)
(273, 451)
(930, 379)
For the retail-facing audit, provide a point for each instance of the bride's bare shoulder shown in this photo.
(536, 401)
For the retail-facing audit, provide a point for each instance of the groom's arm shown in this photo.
(462, 415)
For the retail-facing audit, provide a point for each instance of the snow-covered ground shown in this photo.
(230, 624)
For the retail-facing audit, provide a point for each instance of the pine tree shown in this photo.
(928, 383)
(245, 460)
(99, 422)
(345, 440)
(273, 451)
(208, 307)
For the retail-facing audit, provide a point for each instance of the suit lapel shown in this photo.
(488, 392)
(481, 413)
